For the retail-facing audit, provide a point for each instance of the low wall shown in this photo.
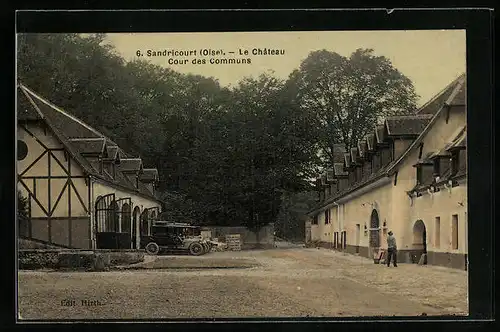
(24, 243)
(248, 238)
(409, 256)
(100, 259)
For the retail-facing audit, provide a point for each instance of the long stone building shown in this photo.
(410, 176)
(83, 190)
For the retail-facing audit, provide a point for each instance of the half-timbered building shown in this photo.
(408, 176)
(83, 190)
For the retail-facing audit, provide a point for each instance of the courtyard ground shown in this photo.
(284, 282)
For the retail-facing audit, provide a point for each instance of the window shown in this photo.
(22, 150)
(437, 232)
(327, 216)
(315, 220)
(454, 231)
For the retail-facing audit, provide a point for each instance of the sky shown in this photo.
(430, 58)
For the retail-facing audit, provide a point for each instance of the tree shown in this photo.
(346, 96)
(22, 205)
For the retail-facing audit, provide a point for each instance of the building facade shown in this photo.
(409, 176)
(83, 191)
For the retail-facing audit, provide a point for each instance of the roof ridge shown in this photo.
(87, 139)
(437, 95)
(409, 116)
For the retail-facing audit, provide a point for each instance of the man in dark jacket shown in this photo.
(392, 250)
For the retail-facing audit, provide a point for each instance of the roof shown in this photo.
(80, 139)
(149, 174)
(89, 145)
(457, 85)
(25, 109)
(130, 164)
(407, 125)
(435, 104)
(458, 140)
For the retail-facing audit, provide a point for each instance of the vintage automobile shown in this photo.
(174, 236)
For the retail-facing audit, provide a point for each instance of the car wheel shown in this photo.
(152, 248)
(196, 249)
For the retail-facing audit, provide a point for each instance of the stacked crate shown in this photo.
(233, 242)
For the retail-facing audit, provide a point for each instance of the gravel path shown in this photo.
(286, 283)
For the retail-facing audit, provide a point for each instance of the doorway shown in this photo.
(419, 240)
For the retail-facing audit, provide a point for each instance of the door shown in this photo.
(105, 222)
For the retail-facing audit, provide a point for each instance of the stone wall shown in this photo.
(248, 237)
(32, 259)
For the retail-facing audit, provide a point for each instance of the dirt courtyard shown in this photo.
(295, 282)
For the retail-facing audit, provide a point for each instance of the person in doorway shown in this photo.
(392, 250)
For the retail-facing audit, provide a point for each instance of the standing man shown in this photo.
(392, 250)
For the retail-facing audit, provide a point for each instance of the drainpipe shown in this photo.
(93, 235)
(338, 219)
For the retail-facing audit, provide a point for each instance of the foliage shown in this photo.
(22, 205)
(346, 96)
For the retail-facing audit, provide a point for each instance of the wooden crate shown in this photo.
(233, 242)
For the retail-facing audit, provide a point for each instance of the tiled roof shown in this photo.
(438, 101)
(458, 140)
(149, 174)
(411, 125)
(81, 139)
(89, 145)
(64, 123)
(130, 164)
(459, 99)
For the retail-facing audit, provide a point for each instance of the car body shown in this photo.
(174, 236)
